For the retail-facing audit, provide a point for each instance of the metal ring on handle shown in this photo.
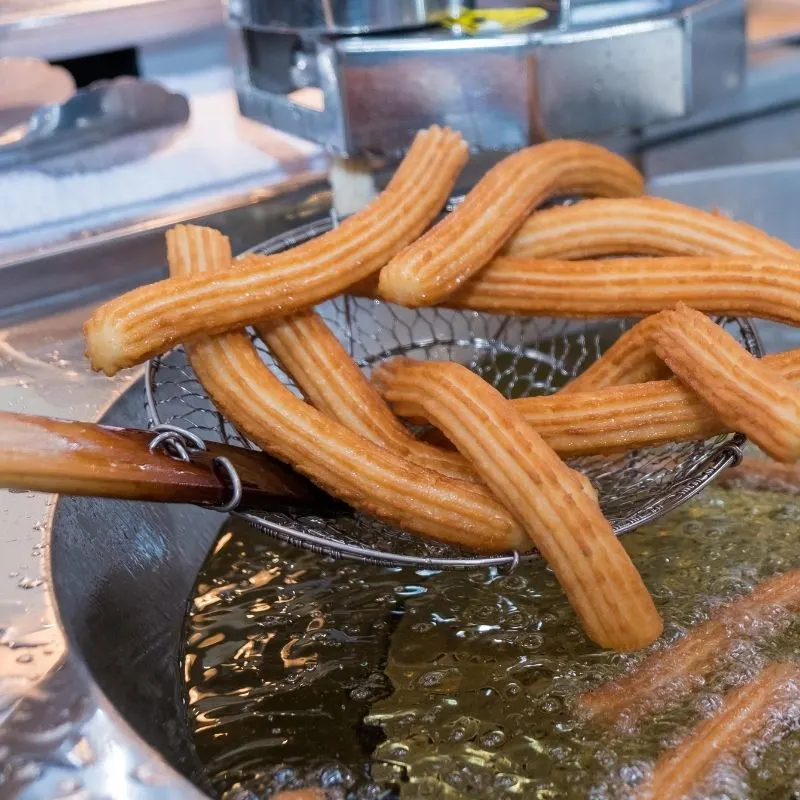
(236, 484)
(179, 443)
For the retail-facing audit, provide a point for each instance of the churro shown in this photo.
(556, 505)
(630, 287)
(666, 676)
(154, 318)
(444, 258)
(348, 466)
(629, 360)
(644, 226)
(616, 418)
(767, 703)
(747, 394)
(333, 383)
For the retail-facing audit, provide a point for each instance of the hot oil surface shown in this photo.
(381, 682)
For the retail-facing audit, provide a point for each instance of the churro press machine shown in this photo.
(361, 76)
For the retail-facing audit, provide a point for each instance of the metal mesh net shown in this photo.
(520, 356)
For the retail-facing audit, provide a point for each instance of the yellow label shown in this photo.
(506, 19)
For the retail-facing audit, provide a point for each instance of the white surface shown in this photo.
(209, 158)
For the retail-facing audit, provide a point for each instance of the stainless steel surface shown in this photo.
(501, 91)
(88, 690)
(337, 16)
(55, 29)
(92, 119)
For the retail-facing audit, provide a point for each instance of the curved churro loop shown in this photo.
(629, 360)
(645, 226)
(334, 384)
(557, 505)
(444, 258)
(611, 419)
(151, 319)
(369, 478)
(747, 394)
(666, 676)
(745, 714)
(632, 287)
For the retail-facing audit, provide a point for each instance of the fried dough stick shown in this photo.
(666, 676)
(556, 505)
(747, 394)
(644, 226)
(152, 319)
(585, 423)
(616, 418)
(631, 287)
(630, 360)
(345, 464)
(333, 383)
(746, 713)
(444, 258)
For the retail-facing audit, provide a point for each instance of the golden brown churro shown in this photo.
(629, 360)
(744, 715)
(368, 477)
(666, 676)
(444, 258)
(630, 287)
(747, 394)
(557, 505)
(152, 319)
(645, 226)
(616, 418)
(334, 384)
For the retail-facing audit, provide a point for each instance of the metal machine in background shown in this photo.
(361, 77)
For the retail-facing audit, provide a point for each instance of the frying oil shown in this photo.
(399, 683)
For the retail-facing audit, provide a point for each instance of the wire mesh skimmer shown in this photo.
(520, 356)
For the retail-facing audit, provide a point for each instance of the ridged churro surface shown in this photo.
(629, 360)
(745, 714)
(615, 418)
(667, 676)
(333, 383)
(443, 259)
(768, 288)
(644, 226)
(368, 477)
(152, 319)
(556, 505)
(747, 394)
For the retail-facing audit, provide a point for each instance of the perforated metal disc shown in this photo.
(520, 356)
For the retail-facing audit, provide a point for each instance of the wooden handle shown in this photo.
(80, 458)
